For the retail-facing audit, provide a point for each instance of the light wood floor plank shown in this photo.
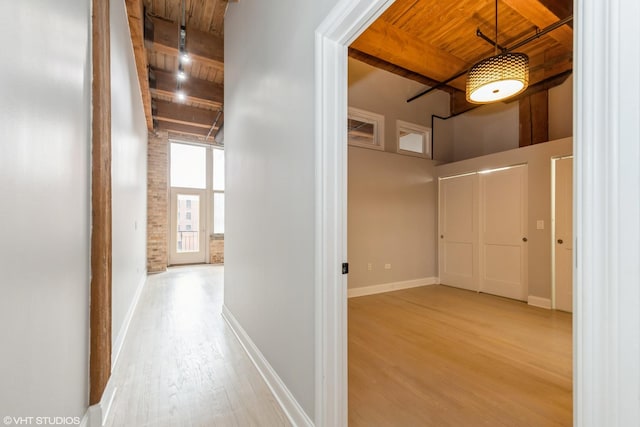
(182, 366)
(440, 356)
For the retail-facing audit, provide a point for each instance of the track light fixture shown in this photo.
(181, 75)
(183, 57)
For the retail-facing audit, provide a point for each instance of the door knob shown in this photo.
(560, 241)
(442, 236)
(524, 239)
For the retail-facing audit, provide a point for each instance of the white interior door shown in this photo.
(458, 260)
(188, 226)
(563, 234)
(503, 218)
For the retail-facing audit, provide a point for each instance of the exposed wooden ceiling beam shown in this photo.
(196, 90)
(406, 51)
(162, 36)
(542, 18)
(184, 114)
(182, 128)
(392, 68)
(560, 8)
(135, 13)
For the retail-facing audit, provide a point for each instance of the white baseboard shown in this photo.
(85, 420)
(539, 302)
(289, 405)
(393, 286)
(122, 333)
(97, 414)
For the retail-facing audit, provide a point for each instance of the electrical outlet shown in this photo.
(369, 267)
(540, 224)
(387, 266)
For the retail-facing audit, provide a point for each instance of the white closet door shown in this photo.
(503, 218)
(563, 234)
(458, 260)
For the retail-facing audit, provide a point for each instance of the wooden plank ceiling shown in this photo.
(433, 40)
(425, 40)
(155, 26)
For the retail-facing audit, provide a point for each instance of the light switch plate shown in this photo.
(540, 224)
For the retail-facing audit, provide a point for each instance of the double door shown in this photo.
(483, 232)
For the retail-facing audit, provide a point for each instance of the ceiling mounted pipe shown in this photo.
(537, 35)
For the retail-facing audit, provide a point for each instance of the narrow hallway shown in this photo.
(181, 365)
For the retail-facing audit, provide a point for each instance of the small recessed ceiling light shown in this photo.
(184, 57)
(182, 76)
(181, 96)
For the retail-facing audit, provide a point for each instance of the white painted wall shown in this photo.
(381, 92)
(45, 82)
(392, 200)
(129, 173)
(495, 127)
(392, 209)
(270, 197)
(489, 129)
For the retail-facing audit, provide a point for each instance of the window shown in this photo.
(413, 140)
(188, 166)
(188, 204)
(188, 215)
(217, 185)
(188, 227)
(365, 129)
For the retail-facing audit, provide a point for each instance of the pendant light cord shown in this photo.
(496, 44)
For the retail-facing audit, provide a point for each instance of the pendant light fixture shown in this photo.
(498, 77)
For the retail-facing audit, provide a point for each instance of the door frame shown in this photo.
(176, 258)
(343, 24)
(605, 317)
(207, 196)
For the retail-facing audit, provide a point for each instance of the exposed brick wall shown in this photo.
(157, 201)
(216, 250)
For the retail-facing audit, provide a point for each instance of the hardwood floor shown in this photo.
(182, 366)
(440, 356)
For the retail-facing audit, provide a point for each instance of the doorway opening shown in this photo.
(502, 254)
(196, 208)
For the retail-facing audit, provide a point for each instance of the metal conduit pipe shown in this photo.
(537, 35)
(433, 130)
(215, 122)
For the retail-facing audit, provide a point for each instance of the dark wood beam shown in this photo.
(395, 69)
(135, 13)
(546, 84)
(100, 312)
(183, 114)
(542, 17)
(186, 129)
(162, 35)
(560, 8)
(534, 118)
(196, 90)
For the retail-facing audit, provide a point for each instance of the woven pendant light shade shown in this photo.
(498, 77)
